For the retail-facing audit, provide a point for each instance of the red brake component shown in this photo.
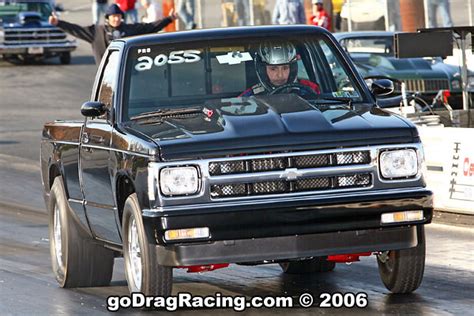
(446, 95)
(205, 268)
(348, 257)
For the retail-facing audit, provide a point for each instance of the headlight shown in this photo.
(2, 35)
(179, 181)
(455, 84)
(401, 163)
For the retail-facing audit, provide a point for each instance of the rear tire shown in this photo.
(65, 58)
(402, 271)
(315, 265)
(142, 270)
(77, 260)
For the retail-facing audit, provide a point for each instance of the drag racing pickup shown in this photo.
(252, 145)
(25, 33)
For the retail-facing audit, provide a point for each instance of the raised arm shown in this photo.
(84, 33)
(153, 27)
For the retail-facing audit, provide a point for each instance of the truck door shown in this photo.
(95, 159)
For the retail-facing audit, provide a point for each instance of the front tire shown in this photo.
(142, 270)
(77, 260)
(315, 265)
(402, 271)
(65, 58)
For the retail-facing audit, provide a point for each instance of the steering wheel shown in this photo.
(295, 86)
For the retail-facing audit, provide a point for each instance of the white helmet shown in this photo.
(274, 53)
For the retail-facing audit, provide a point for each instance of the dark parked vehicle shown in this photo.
(173, 168)
(373, 54)
(26, 34)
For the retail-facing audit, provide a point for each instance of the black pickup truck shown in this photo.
(240, 145)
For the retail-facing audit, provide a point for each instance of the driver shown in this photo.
(277, 65)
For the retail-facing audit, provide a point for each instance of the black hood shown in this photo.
(273, 124)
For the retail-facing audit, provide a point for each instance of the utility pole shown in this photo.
(412, 14)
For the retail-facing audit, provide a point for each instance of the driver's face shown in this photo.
(278, 75)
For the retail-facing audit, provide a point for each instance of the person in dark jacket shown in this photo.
(101, 35)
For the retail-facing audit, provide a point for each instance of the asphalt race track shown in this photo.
(33, 94)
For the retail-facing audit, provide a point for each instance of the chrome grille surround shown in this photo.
(311, 180)
(424, 85)
(32, 36)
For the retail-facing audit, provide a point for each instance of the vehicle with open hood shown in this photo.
(192, 155)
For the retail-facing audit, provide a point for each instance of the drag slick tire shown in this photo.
(402, 271)
(142, 270)
(77, 260)
(314, 265)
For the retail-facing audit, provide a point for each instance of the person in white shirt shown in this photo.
(153, 11)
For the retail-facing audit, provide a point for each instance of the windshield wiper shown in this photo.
(166, 113)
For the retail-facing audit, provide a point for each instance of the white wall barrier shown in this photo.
(449, 156)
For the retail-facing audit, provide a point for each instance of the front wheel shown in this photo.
(65, 58)
(142, 270)
(402, 271)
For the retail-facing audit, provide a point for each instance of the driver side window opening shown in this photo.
(107, 86)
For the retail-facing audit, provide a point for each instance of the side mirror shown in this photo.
(93, 109)
(382, 87)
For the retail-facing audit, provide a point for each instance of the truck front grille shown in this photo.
(424, 85)
(246, 166)
(32, 36)
(283, 186)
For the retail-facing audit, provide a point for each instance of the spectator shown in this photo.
(443, 7)
(101, 35)
(336, 12)
(289, 12)
(153, 11)
(243, 12)
(98, 10)
(320, 17)
(185, 9)
(228, 13)
(129, 9)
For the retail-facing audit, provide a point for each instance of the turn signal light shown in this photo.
(188, 233)
(399, 217)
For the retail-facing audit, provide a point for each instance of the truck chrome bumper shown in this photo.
(47, 48)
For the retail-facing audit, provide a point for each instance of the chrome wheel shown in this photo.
(58, 249)
(135, 258)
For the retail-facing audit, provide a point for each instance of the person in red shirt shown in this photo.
(128, 7)
(320, 17)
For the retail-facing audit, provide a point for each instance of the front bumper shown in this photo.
(47, 48)
(286, 225)
(288, 247)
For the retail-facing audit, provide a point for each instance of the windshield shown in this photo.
(9, 12)
(193, 74)
(372, 45)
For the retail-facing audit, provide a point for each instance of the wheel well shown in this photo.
(124, 189)
(53, 173)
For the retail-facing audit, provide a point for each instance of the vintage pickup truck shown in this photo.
(25, 33)
(192, 155)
